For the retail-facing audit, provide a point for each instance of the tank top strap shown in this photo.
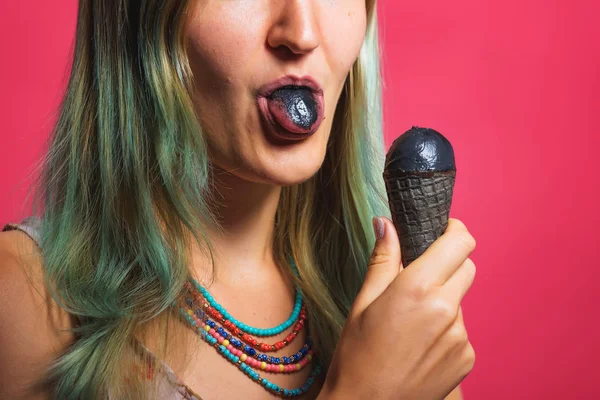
(29, 225)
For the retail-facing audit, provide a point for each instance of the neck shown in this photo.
(246, 212)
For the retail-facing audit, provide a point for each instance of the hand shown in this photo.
(405, 337)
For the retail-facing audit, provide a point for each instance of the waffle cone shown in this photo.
(420, 205)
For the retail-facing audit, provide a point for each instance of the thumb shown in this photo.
(384, 265)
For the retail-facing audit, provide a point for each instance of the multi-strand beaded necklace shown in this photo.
(235, 340)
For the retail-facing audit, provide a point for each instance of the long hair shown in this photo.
(126, 180)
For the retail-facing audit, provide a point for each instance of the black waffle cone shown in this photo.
(420, 205)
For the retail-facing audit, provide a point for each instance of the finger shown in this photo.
(445, 353)
(457, 286)
(460, 319)
(441, 260)
(384, 266)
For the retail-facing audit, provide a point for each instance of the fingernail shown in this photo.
(378, 227)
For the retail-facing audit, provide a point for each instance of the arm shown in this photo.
(30, 321)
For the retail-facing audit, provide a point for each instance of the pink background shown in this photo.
(509, 83)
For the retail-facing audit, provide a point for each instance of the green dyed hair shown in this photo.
(125, 181)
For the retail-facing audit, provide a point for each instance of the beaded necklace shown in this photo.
(246, 356)
(236, 331)
(247, 328)
(291, 363)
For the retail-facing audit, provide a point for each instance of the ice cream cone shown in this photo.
(419, 177)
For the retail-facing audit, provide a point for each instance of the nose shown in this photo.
(295, 28)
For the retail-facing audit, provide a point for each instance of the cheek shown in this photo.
(343, 40)
(219, 48)
(210, 53)
(216, 54)
(342, 43)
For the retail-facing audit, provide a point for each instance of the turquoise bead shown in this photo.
(254, 375)
(269, 331)
(251, 330)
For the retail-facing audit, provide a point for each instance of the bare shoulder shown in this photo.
(31, 323)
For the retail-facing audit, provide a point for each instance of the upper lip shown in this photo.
(290, 80)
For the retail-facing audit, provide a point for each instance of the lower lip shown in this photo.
(282, 133)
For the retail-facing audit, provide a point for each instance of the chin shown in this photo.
(287, 175)
(292, 179)
(290, 164)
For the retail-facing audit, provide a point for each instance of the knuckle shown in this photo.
(456, 224)
(378, 258)
(419, 291)
(469, 356)
(457, 335)
(442, 310)
(466, 240)
(470, 266)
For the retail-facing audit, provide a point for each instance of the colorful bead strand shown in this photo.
(200, 319)
(235, 330)
(256, 363)
(247, 328)
(247, 369)
(255, 343)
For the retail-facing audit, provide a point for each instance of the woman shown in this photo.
(214, 172)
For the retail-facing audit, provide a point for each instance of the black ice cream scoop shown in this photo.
(419, 177)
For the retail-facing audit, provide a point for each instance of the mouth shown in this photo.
(292, 107)
(290, 80)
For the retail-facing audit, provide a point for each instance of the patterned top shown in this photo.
(169, 385)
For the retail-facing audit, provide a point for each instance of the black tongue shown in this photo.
(299, 103)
